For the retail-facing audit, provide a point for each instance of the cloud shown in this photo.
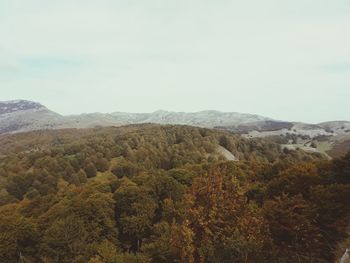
(10, 67)
(9, 62)
(49, 63)
(337, 67)
(178, 55)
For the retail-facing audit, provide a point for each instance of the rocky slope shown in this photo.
(21, 115)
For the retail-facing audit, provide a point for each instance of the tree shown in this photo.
(102, 164)
(331, 202)
(293, 230)
(65, 239)
(340, 170)
(90, 170)
(82, 176)
(18, 185)
(224, 226)
(125, 168)
(135, 210)
(295, 180)
(73, 226)
(161, 245)
(18, 235)
(183, 176)
(225, 142)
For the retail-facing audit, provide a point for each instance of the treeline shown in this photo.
(150, 193)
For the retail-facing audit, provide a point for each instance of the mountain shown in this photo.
(21, 115)
(19, 105)
(207, 119)
(329, 138)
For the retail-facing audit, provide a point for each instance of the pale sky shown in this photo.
(286, 59)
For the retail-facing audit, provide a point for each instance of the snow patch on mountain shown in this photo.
(14, 106)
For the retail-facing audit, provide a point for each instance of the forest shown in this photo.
(164, 193)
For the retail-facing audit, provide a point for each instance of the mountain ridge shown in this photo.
(30, 115)
(34, 116)
(333, 136)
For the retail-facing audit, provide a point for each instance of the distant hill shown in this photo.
(330, 138)
(21, 116)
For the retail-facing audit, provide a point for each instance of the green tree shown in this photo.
(18, 236)
(161, 246)
(102, 164)
(135, 210)
(18, 185)
(90, 170)
(73, 226)
(125, 168)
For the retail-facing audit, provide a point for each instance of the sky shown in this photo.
(285, 59)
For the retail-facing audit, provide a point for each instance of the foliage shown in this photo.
(151, 193)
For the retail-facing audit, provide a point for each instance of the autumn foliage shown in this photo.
(150, 193)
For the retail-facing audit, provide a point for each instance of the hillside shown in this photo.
(22, 116)
(331, 139)
(154, 193)
(175, 135)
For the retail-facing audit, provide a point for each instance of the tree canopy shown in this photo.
(151, 193)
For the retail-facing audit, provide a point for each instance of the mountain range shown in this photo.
(22, 116)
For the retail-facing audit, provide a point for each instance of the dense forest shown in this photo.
(151, 193)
